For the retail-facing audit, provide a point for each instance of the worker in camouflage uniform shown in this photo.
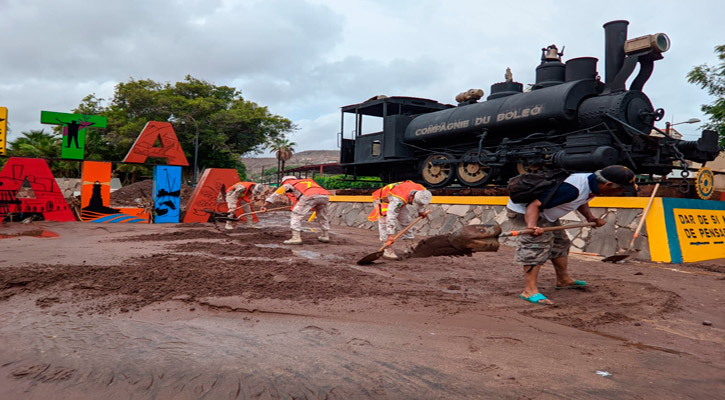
(393, 208)
(240, 196)
(306, 195)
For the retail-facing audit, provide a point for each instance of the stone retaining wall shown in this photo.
(446, 218)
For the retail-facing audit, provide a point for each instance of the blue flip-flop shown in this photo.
(575, 285)
(535, 298)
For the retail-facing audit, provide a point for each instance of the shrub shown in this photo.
(333, 182)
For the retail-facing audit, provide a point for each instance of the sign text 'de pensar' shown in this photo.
(701, 233)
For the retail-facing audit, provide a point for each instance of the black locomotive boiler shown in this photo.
(568, 119)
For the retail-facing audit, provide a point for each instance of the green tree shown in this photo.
(227, 125)
(712, 79)
(39, 144)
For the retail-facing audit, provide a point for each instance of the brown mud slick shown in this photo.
(32, 233)
(188, 311)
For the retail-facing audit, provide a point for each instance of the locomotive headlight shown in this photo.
(658, 42)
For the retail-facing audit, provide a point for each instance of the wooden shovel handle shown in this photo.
(401, 233)
(257, 212)
(547, 229)
(644, 215)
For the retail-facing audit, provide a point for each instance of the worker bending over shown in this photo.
(394, 207)
(306, 195)
(240, 196)
(574, 193)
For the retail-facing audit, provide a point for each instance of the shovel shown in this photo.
(255, 212)
(368, 259)
(631, 251)
(218, 216)
(547, 229)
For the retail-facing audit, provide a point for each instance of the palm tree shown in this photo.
(39, 144)
(36, 144)
(283, 150)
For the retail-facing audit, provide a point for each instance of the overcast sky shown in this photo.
(305, 59)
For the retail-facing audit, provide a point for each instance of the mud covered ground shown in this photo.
(191, 311)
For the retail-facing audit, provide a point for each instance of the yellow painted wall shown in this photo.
(659, 247)
(609, 202)
(655, 223)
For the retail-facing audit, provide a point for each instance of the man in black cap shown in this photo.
(574, 193)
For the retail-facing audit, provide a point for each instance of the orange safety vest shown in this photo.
(245, 196)
(381, 210)
(307, 187)
(400, 190)
(248, 190)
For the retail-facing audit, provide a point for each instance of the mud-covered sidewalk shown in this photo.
(192, 311)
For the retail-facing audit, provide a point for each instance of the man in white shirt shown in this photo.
(574, 193)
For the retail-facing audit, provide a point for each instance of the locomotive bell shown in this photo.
(551, 71)
(658, 42)
(551, 53)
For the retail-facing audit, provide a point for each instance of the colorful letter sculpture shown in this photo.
(74, 130)
(144, 146)
(206, 193)
(3, 130)
(96, 197)
(167, 194)
(48, 200)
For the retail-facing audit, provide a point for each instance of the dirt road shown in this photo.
(189, 311)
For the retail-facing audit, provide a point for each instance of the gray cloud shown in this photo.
(75, 39)
(305, 59)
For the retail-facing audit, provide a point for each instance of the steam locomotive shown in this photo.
(568, 119)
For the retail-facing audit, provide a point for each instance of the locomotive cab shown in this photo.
(374, 146)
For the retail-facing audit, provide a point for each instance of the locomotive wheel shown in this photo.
(472, 173)
(547, 149)
(436, 175)
(523, 167)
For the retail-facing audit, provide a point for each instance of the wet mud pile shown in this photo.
(127, 195)
(462, 242)
(209, 264)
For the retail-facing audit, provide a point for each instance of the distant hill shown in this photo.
(308, 157)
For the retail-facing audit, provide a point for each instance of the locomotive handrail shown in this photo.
(663, 132)
(626, 125)
(625, 147)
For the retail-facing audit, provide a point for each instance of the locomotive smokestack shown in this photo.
(615, 35)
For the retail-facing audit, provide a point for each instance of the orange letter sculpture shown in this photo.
(96, 198)
(144, 146)
(206, 192)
